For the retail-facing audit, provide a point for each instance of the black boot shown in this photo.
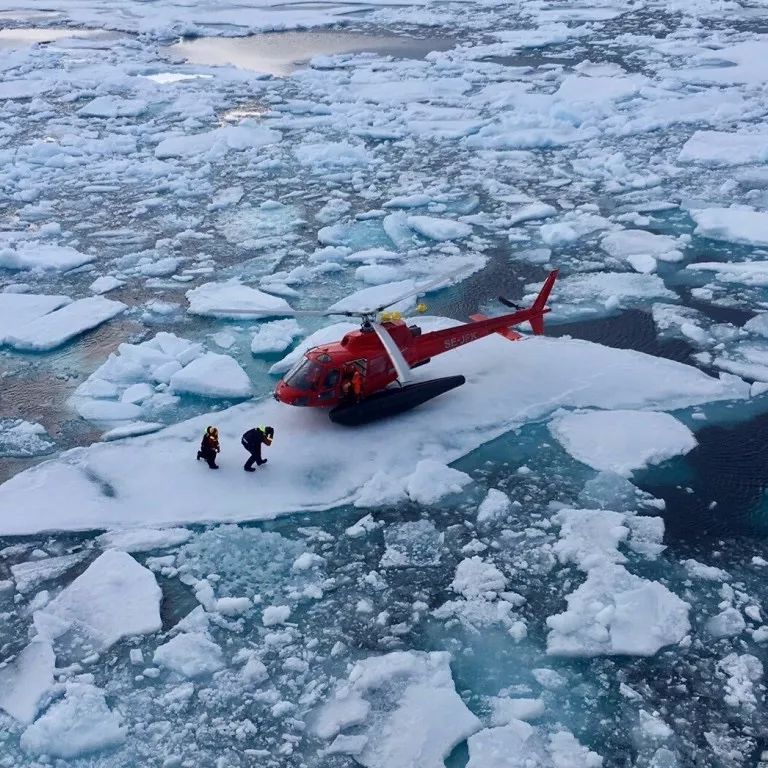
(248, 469)
(263, 461)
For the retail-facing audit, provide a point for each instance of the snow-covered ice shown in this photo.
(622, 441)
(403, 707)
(212, 375)
(616, 612)
(214, 299)
(550, 373)
(88, 605)
(26, 680)
(78, 724)
(52, 330)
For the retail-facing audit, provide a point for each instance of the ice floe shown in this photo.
(397, 710)
(616, 612)
(26, 680)
(52, 330)
(87, 605)
(78, 724)
(548, 373)
(214, 299)
(622, 441)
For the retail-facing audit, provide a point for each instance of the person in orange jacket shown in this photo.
(209, 447)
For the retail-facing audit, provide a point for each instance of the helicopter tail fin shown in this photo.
(540, 305)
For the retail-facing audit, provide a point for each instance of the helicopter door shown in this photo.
(329, 385)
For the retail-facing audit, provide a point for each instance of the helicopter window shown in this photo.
(331, 379)
(303, 376)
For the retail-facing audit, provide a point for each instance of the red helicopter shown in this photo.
(352, 377)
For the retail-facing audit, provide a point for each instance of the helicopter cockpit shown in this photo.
(304, 376)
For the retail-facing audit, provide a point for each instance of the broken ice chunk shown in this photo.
(79, 723)
(406, 706)
(25, 681)
(616, 612)
(88, 604)
(413, 544)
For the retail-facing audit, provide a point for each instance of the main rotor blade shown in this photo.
(395, 355)
(264, 312)
(421, 289)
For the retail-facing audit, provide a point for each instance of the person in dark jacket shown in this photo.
(252, 441)
(209, 447)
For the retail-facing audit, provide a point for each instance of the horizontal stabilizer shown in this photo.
(507, 333)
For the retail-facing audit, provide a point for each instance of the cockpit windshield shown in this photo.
(304, 375)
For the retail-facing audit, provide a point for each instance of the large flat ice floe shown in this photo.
(622, 441)
(735, 225)
(314, 464)
(52, 330)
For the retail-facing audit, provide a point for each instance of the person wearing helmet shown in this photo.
(252, 441)
(209, 447)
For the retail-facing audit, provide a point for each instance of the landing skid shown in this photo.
(392, 401)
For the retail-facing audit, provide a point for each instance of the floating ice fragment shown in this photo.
(476, 578)
(590, 537)
(26, 680)
(735, 225)
(439, 229)
(275, 336)
(720, 148)
(412, 544)
(78, 724)
(191, 654)
(31, 574)
(18, 309)
(742, 671)
(339, 154)
(23, 439)
(407, 707)
(275, 614)
(213, 299)
(213, 376)
(622, 441)
(50, 331)
(614, 612)
(87, 605)
(42, 256)
(728, 623)
(143, 539)
(495, 506)
(218, 141)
